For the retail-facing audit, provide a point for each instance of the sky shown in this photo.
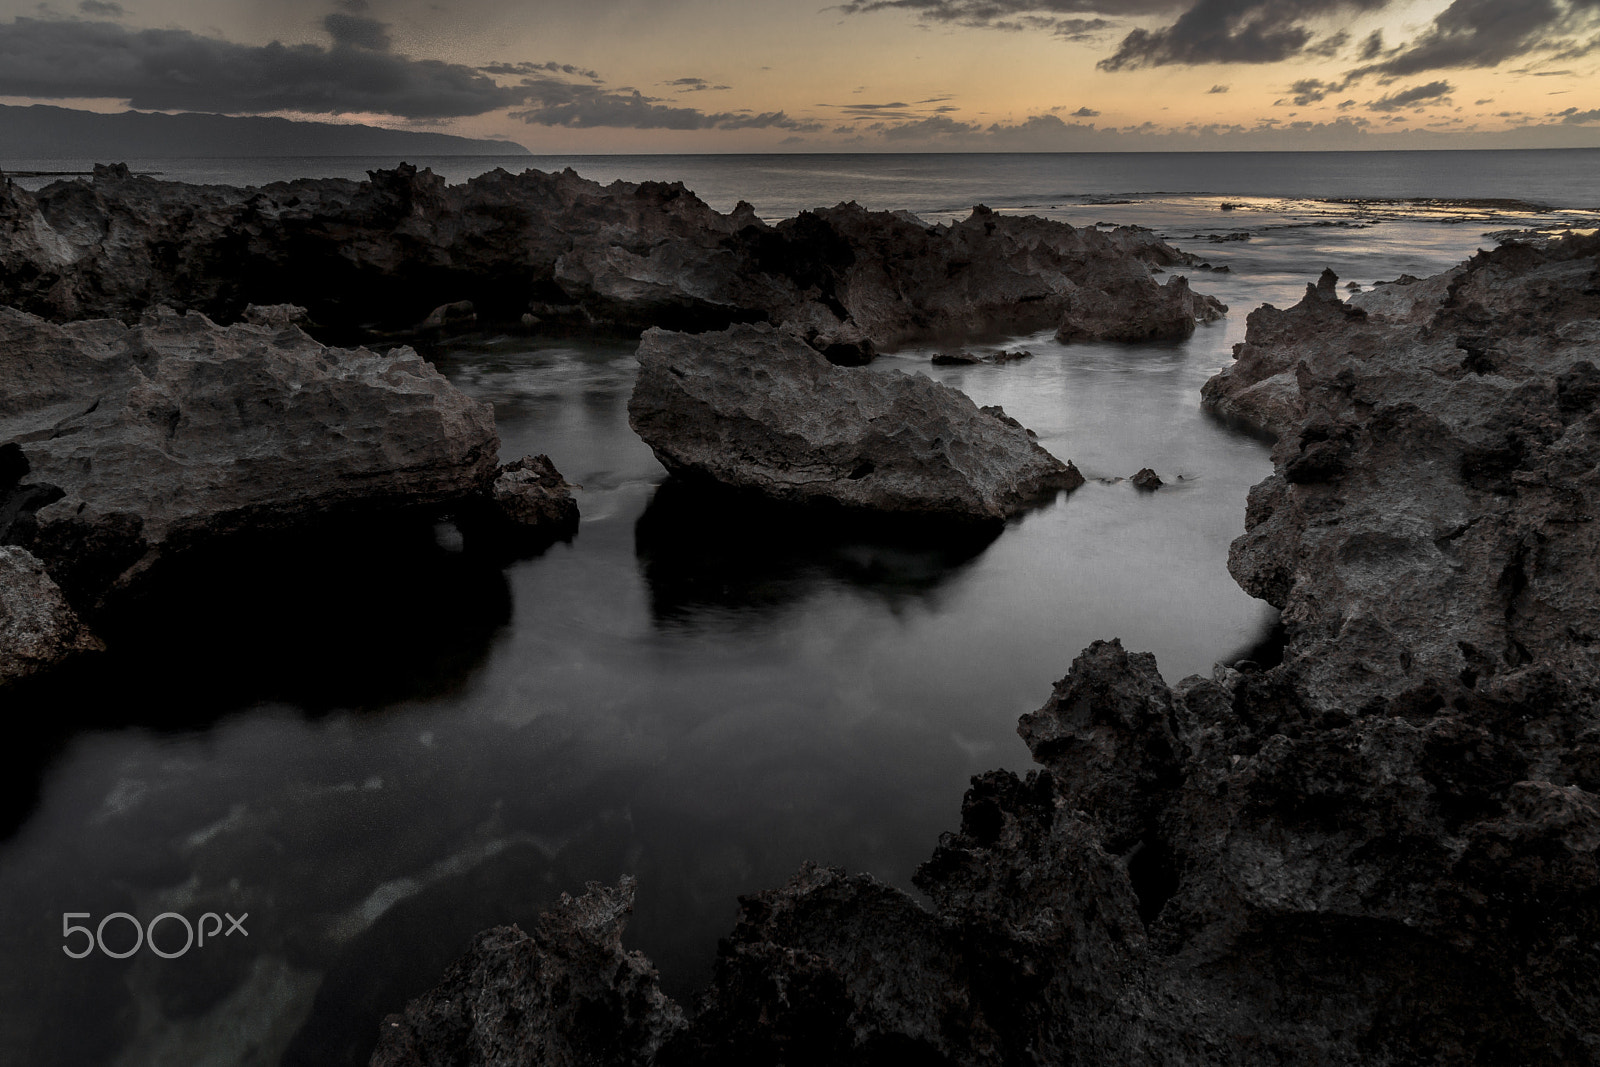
(592, 76)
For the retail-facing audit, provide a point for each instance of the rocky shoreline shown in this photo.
(164, 393)
(1383, 850)
(559, 252)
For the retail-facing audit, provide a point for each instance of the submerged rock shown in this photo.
(39, 631)
(966, 359)
(756, 408)
(456, 315)
(136, 441)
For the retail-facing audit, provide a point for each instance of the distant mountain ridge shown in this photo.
(41, 131)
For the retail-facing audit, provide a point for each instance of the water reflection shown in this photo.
(708, 554)
(359, 614)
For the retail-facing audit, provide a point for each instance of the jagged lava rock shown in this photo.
(1259, 387)
(1126, 305)
(533, 495)
(134, 440)
(1148, 480)
(564, 995)
(38, 629)
(570, 252)
(1431, 527)
(756, 408)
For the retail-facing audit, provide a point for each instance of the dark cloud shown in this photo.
(357, 31)
(103, 9)
(1217, 89)
(873, 111)
(511, 70)
(181, 71)
(1573, 116)
(1433, 92)
(1329, 46)
(1486, 33)
(578, 106)
(1372, 47)
(695, 85)
(1086, 113)
(1050, 16)
(1231, 31)
(1308, 91)
(1005, 12)
(1079, 29)
(937, 126)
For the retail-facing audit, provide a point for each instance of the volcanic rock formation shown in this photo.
(567, 251)
(122, 443)
(1384, 850)
(757, 408)
(38, 629)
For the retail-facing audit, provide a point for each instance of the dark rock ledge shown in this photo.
(121, 447)
(1384, 850)
(558, 252)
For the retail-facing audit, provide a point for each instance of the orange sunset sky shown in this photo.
(569, 76)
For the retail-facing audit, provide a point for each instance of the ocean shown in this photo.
(379, 746)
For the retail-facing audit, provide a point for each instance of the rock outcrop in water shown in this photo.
(123, 443)
(755, 408)
(565, 251)
(1384, 850)
(39, 631)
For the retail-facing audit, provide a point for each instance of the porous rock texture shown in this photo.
(1430, 531)
(38, 629)
(120, 443)
(1384, 850)
(570, 252)
(564, 995)
(532, 494)
(756, 408)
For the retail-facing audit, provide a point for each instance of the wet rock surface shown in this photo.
(967, 359)
(569, 253)
(1383, 850)
(39, 631)
(531, 493)
(123, 443)
(755, 408)
(566, 993)
(1148, 480)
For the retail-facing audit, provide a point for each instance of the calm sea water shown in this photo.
(379, 746)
